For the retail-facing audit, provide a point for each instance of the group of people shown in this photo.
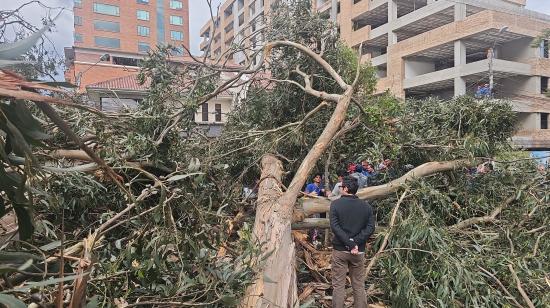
(365, 173)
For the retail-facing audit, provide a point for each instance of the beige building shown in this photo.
(126, 92)
(425, 48)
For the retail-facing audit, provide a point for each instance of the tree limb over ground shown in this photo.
(321, 205)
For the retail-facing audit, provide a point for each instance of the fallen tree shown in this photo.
(180, 233)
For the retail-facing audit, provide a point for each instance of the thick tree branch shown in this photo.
(520, 288)
(321, 205)
(326, 66)
(484, 219)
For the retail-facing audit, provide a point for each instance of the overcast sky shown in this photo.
(62, 35)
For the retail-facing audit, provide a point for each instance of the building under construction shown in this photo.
(425, 48)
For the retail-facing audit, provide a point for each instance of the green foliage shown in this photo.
(19, 131)
(545, 35)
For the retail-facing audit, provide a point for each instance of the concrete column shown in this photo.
(460, 11)
(459, 60)
(392, 16)
(460, 53)
(460, 86)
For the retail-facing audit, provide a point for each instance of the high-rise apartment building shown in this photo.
(111, 36)
(425, 48)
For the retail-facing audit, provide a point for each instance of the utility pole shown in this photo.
(491, 56)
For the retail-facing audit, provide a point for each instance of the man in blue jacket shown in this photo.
(352, 223)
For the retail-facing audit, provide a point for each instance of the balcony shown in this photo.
(369, 7)
(379, 60)
(472, 72)
(204, 44)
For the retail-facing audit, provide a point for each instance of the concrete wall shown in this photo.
(518, 50)
(418, 67)
(519, 85)
(226, 108)
(528, 121)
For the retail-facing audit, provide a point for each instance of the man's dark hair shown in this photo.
(341, 173)
(317, 175)
(351, 184)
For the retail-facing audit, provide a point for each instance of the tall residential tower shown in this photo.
(111, 36)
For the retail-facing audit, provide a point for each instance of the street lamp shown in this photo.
(491, 55)
(104, 57)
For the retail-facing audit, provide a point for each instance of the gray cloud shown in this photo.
(542, 6)
(61, 35)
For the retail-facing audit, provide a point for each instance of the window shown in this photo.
(110, 26)
(106, 42)
(241, 19)
(176, 20)
(142, 15)
(143, 31)
(78, 20)
(177, 51)
(176, 35)
(544, 49)
(240, 4)
(176, 5)
(77, 3)
(544, 120)
(106, 9)
(228, 27)
(143, 47)
(142, 1)
(78, 38)
(228, 11)
(205, 112)
(252, 9)
(218, 108)
(126, 61)
(543, 85)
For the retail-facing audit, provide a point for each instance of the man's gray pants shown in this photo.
(342, 262)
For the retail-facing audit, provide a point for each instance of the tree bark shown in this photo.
(275, 285)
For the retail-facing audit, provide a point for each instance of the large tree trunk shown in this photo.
(275, 285)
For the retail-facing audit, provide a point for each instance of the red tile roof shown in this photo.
(129, 82)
